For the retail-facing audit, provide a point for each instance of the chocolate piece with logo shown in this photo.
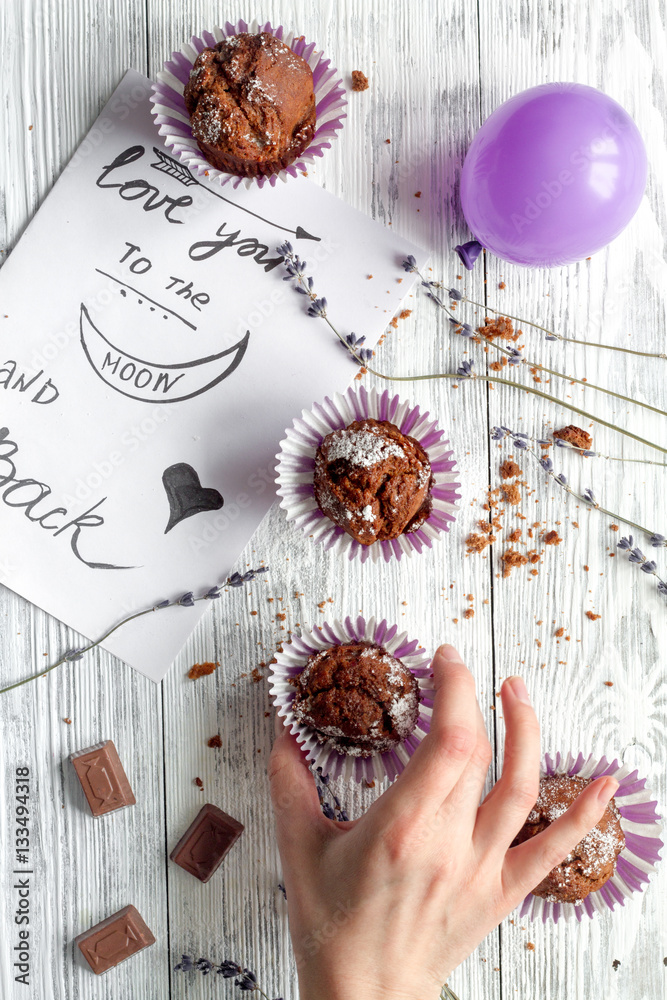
(103, 778)
(206, 842)
(115, 939)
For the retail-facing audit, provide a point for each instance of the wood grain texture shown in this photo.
(435, 71)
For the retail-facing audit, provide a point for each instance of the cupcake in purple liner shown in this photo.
(248, 103)
(614, 860)
(368, 476)
(358, 696)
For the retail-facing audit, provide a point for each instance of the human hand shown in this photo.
(387, 905)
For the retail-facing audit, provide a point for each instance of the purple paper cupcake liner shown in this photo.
(173, 119)
(296, 464)
(638, 859)
(293, 658)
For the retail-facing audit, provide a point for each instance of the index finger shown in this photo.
(443, 754)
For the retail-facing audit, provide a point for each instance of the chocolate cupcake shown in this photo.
(251, 104)
(593, 861)
(358, 698)
(373, 481)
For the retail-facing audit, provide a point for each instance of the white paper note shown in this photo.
(151, 357)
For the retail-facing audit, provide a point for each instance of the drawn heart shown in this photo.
(186, 494)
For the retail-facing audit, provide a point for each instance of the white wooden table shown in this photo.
(436, 72)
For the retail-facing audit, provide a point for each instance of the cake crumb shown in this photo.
(199, 783)
(501, 327)
(359, 81)
(214, 741)
(552, 538)
(477, 543)
(530, 946)
(511, 493)
(511, 558)
(560, 632)
(515, 535)
(613, 527)
(575, 436)
(201, 670)
(593, 617)
(501, 284)
(469, 613)
(608, 684)
(68, 721)
(510, 470)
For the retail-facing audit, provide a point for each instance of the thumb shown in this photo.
(299, 819)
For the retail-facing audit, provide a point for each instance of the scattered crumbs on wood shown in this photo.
(267, 715)
(469, 613)
(586, 568)
(387, 141)
(560, 632)
(214, 741)
(418, 194)
(608, 684)
(202, 669)
(592, 616)
(199, 783)
(501, 284)
(530, 946)
(68, 721)
(359, 81)
(552, 538)
(613, 527)
(615, 964)
(256, 675)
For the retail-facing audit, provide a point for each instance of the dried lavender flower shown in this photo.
(466, 369)
(318, 307)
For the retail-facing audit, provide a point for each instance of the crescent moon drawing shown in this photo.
(152, 382)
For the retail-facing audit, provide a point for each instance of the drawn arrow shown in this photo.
(168, 165)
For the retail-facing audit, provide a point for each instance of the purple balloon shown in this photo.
(553, 175)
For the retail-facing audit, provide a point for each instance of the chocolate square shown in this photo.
(206, 841)
(110, 942)
(102, 778)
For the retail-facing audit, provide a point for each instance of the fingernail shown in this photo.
(450, 653)
(518, 689)
(607, 789)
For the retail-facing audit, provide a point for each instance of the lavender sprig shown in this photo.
(332, 809)
(548, 334)
(514, 356)
(244, 979)
(648, 566)
(295, 268)
(521, 441)
(186, 600)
